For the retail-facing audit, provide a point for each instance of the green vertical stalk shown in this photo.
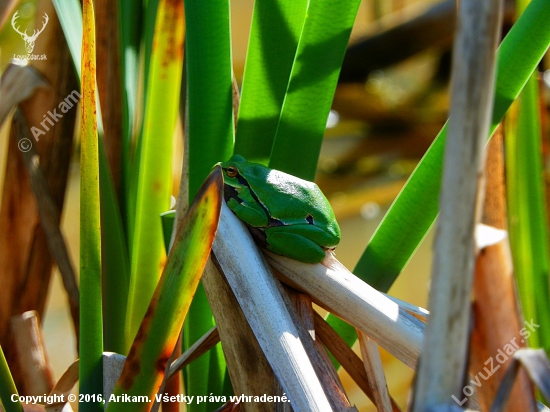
(115, 262)
(147, 32)
(528, 224)
(210, 133)
(130, 14)
(155, 163)
(209, 85)
(527, 204)
(91, 328)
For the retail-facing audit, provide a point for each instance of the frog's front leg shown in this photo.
(300, 242)
(251, 213)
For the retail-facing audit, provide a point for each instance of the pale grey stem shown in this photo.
(443, 362)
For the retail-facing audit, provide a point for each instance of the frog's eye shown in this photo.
(232, 171)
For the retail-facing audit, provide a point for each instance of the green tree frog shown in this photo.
(287, 215)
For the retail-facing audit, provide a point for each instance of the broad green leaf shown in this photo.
(115, 252)
(210, 137)
(149, 19)
(130, 14)
(209, 85)
(154, 182)
(312, 84)
(7, 387)
(91, 324)
(276, 28)
(157, 336)
(136, 147)
(416, 207)
(528, 224)
(115, 262)
(216, 367)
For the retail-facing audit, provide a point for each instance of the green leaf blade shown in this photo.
(91, 321)
(115, 251)
(312, 84)
(145, 366)
(115, 262)
(130, 15)
(274, 34)
(518, 55)
(7, 387)
(153, 187)
(528, 224)
(209, 79)
(210, 129)
(70, 18)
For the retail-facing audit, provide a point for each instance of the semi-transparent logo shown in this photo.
(29, 40)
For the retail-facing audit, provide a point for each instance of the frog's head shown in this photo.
(236, 158)
(233, 180)
(233, 168)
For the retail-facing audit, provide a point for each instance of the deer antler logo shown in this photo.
(29, 40)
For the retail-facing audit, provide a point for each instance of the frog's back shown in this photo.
(297, 200)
